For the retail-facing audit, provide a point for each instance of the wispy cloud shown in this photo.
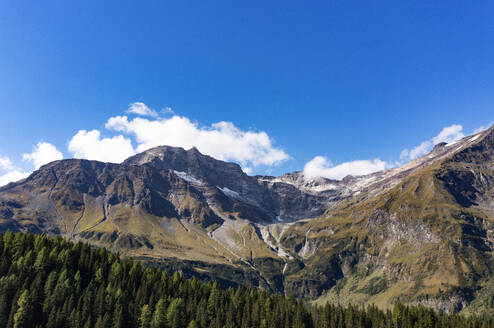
(448, 134)
(5, 163)
(140, 108)
(483, 128)
(320, 166)
(167, 110)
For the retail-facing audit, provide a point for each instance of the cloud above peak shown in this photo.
(43, 153)
(483, 128)
(90, 145)
(222, 140)
(320, 166)
(142, 128)
(448, 134)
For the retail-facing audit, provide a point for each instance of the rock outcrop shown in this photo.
(419, 233)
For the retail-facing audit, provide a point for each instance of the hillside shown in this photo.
(49, 282)
(419, 234)
(427, 240)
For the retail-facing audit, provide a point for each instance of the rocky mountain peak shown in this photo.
(190, 161)
(289, 233)
(439, 146)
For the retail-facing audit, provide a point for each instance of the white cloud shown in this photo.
(90, 145)
(482, 128)
(417, 151)
(43, 153)
(140, 108)
(320, 166)
(247, 170)
(448, 134)
(167, 110)
(222, 140)
(12, 176)
(5, 163)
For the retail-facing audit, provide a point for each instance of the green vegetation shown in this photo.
(412, 244)
(50, 282)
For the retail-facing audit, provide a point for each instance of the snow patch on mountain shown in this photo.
(230, 193)
(474, 138)
(187, 177)
(268, 238)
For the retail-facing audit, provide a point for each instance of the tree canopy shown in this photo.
(51, 282)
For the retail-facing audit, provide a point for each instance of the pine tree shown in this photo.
(145, 317)
(159, 316)
(175, 314)
(23, 316)
(397, 314)
(81, 287)
(100, 322)
(193, 324)
(87, 324)
(213, 300)
(118, 317)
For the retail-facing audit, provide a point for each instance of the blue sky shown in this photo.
(343, 80)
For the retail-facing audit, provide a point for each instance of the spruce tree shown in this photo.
(175, 314)
(159, 316)
(145, 317)
(193, 324)
(23, 316)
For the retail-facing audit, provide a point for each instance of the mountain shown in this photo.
(51, 282)
(421, 233)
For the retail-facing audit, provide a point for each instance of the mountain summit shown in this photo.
(419, 233)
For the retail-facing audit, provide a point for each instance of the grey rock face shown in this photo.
(153, 177)
(286, 198)
(287, 233)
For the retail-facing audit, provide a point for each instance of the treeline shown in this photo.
(49, 282)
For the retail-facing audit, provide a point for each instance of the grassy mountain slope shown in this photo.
(428, 240)
(420, 234)
(51, 282)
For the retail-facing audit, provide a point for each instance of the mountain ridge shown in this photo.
(363, 236)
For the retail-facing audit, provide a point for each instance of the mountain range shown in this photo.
(421, 233)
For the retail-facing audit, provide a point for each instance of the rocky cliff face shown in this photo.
(419, 233)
